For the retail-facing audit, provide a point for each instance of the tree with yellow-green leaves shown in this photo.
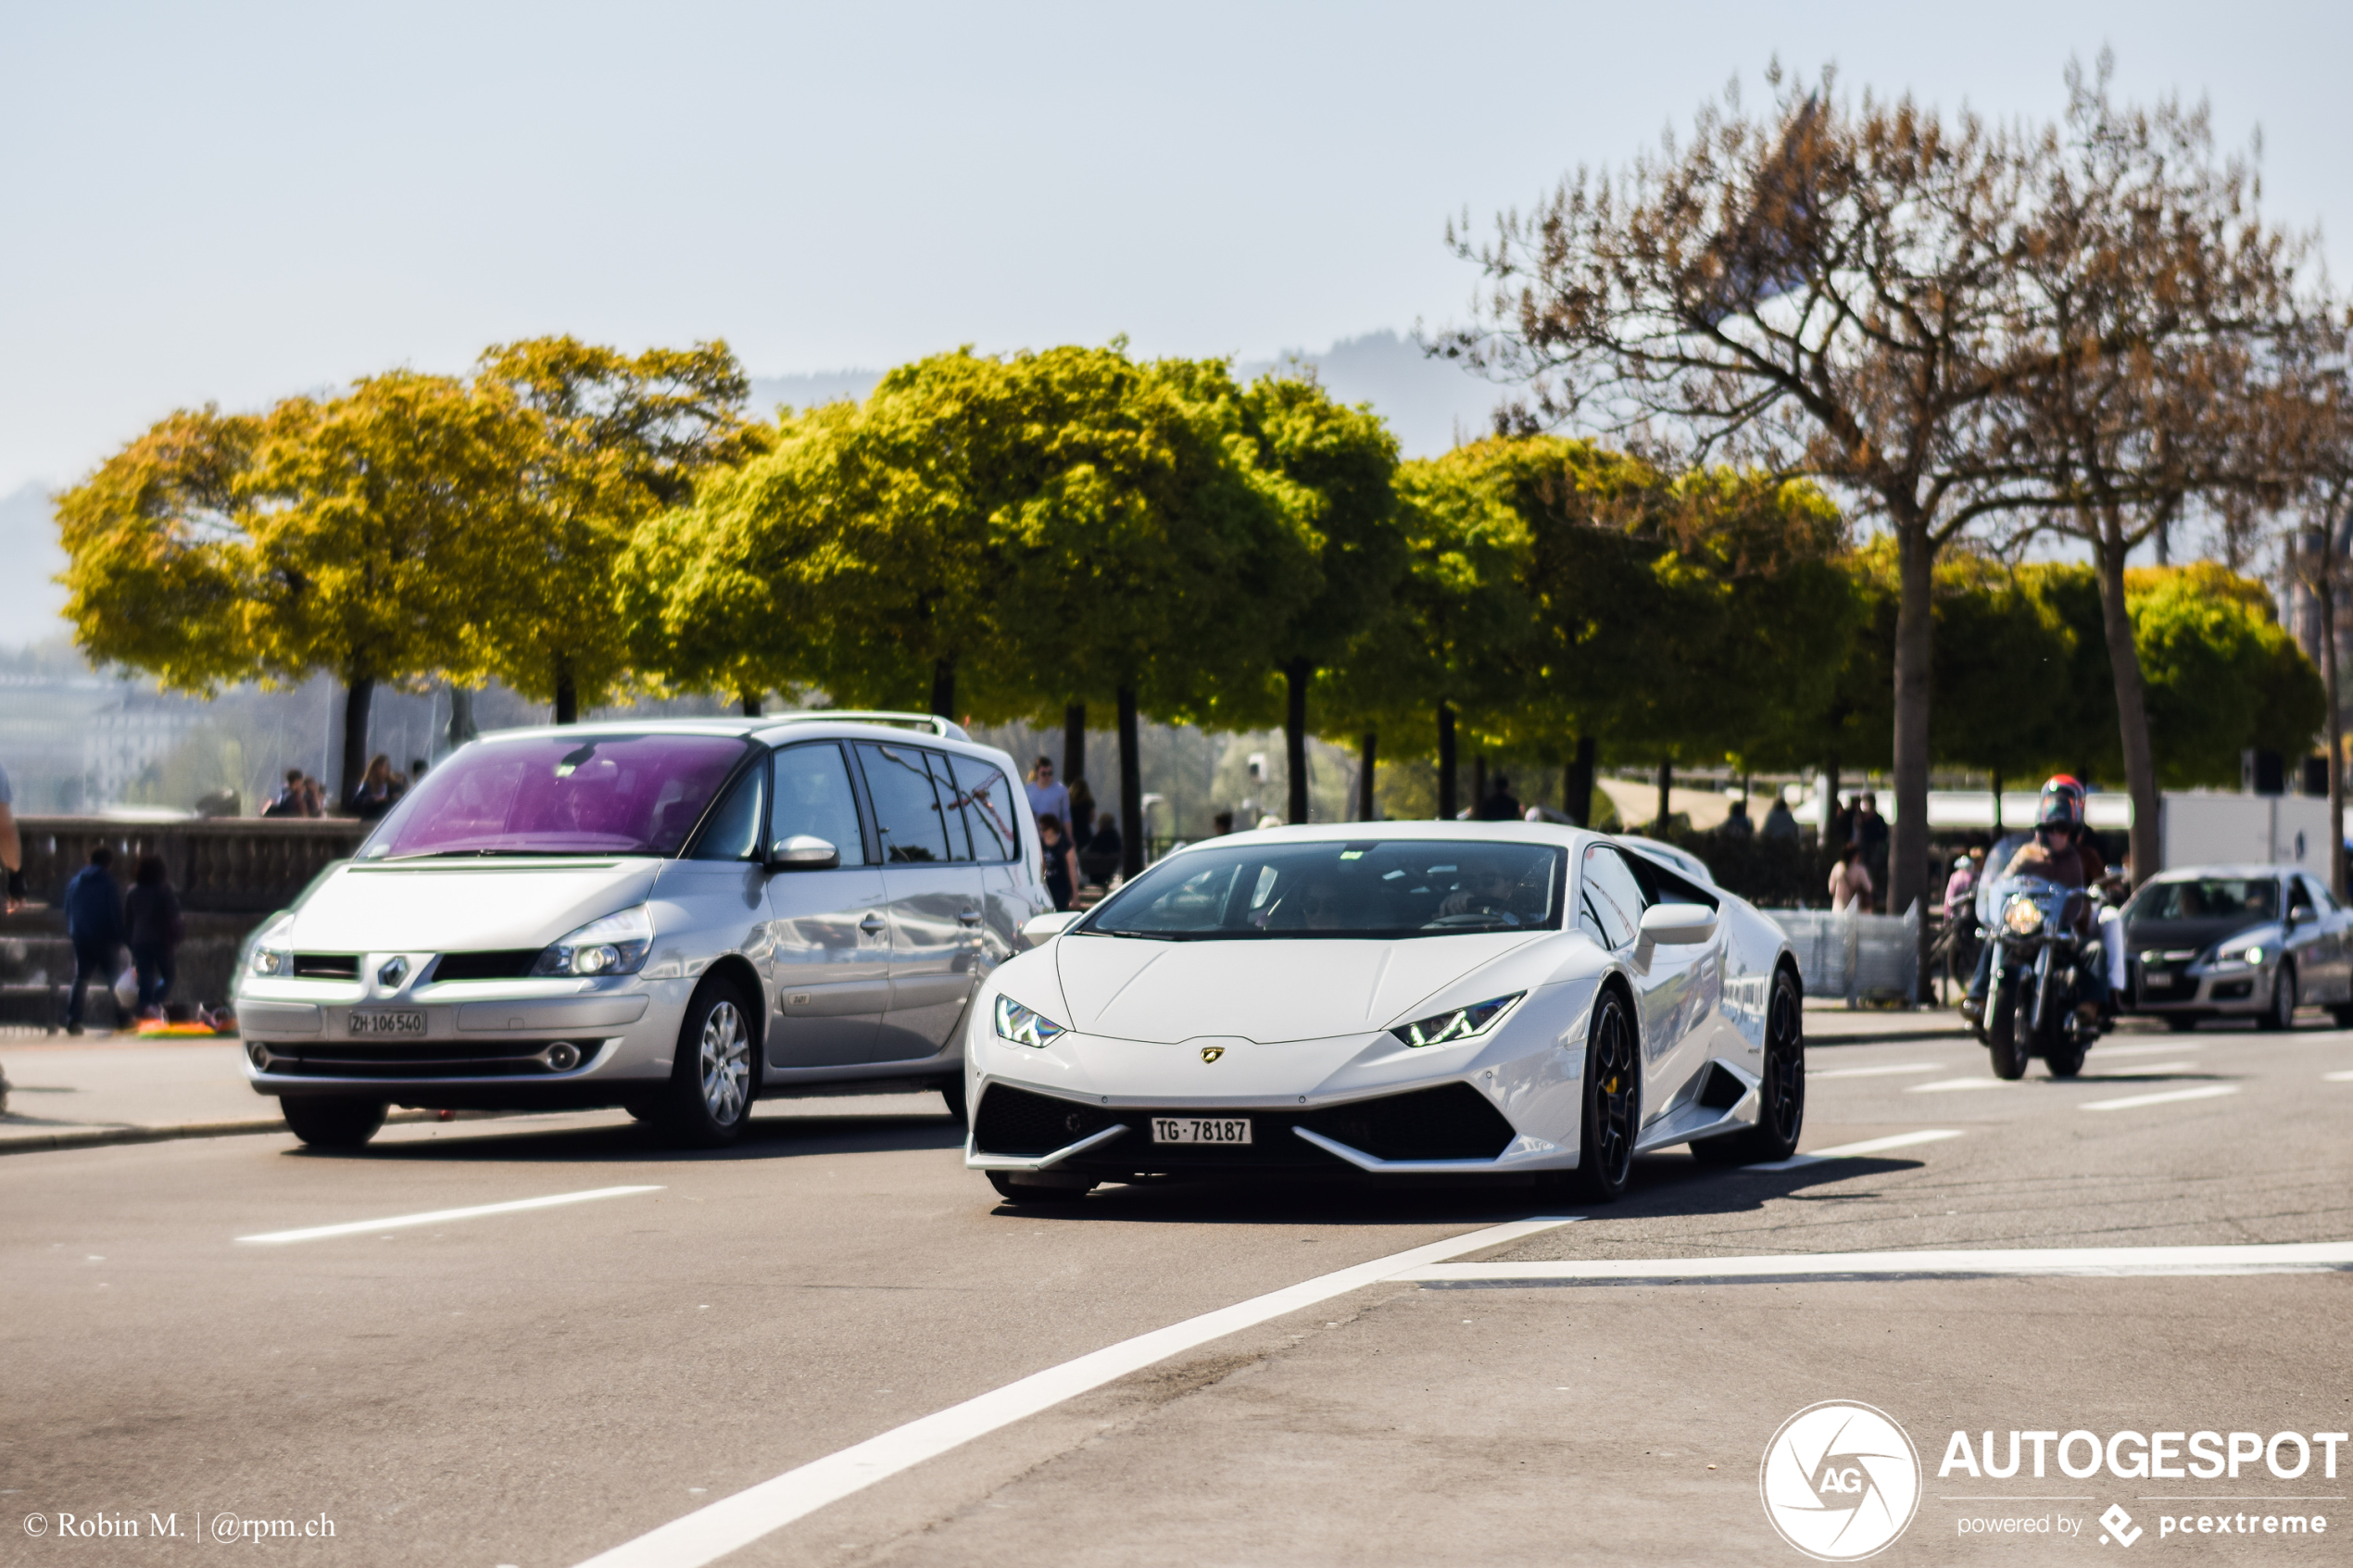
(608, 440)
(359, 535)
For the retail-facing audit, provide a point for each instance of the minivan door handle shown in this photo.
(871, 925)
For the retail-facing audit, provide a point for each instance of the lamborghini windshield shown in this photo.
(1368, 889)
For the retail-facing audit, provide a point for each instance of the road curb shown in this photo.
(99, 1138)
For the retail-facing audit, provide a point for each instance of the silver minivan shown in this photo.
(675, 917)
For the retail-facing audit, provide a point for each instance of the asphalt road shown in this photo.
(537, 1386)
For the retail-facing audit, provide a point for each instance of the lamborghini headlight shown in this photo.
(1024, 1027)
(1462, 1024)
(2023, 916)
(615, 944)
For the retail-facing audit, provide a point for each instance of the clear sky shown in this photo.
(233, 202)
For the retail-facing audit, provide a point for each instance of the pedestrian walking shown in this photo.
(379, 791)
(152, 917)
(1869, 836)
(1099, 857)
(1061, 863)
(1047, 798)
(1851, 881)
(1082, 814)
(94, 924)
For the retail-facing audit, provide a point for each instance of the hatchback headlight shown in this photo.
(272, 953)
(2023, 916)
(615, 944)
(1024, 1027)
(1462, 1024)
(2252, 955)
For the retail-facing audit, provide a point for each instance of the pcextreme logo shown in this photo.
(1840, 1481)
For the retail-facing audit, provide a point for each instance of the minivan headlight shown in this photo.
(1462, 1024)
(1024, 1027)
(271, 952)
(615, 944)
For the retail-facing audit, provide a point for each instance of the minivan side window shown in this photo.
(951, 816)
(732, 832)
(987, 797)
(814, 797)
(906, 808)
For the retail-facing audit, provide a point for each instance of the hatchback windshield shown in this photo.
(561, 794)
(1376, 888)
(2210, 898)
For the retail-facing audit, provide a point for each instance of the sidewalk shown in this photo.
(121, 1090)
(1832, 1022)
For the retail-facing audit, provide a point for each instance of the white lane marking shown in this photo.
(2133, 1102)
(365, 1227)
(1942, 1085)
(2292, 1257)
(1854, 1150)
(716, 1529)
(2337, 1077)
(2139, 1068)
(1872, 1072)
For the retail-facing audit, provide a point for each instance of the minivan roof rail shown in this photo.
(948, 729)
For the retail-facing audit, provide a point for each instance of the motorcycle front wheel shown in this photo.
(2005, 1042)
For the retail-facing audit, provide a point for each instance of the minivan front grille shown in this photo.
(511, 964)
(326, 966)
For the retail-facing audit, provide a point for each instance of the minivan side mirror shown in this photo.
(802, 852)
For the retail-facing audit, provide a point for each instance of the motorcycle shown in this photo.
(2039, 962)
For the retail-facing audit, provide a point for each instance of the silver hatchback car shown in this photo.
(674, 917)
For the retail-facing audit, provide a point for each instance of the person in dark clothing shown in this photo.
(1061, 871)
(94, 923)
(1500, 805)
(1099, 857)
(155, 929)
(1870, 835)
(379, 791)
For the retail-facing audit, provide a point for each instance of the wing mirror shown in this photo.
(802, 852)
(1039, 929)
(1671, 926)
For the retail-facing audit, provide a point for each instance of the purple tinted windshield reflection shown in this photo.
(595, 795)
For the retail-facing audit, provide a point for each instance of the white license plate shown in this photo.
(1200, 1129)
(387, 1023)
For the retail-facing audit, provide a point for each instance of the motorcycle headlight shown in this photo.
(1024, 1027)
(615, 944)
(271, 951)
(2023, 916)
(1462, 1024)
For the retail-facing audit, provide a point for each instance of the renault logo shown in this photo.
(393, 973)
(1210, 1053)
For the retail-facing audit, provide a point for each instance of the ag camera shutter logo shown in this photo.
(1840, 1481)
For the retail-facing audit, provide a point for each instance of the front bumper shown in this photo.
(484, 1045)
(2200, 988)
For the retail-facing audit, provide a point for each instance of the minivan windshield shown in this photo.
(1366, 889)
(561, 794)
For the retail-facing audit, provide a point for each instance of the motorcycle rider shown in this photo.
(2060, 851)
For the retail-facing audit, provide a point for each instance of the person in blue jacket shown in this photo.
(93, 923)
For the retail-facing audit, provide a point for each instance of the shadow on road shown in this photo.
(625, 1142)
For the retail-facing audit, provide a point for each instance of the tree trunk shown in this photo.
(2132, 704)
(2336, 724)
(1131, 788)
(1666, 790)
(359, 696)
(1478, 783)
(1446, 807)
(461, 716)
(1908, 856)
(943, 687)
(1578, 802)
(1074, 742)
(566, 697)
(1368, 758)
(752, 703)
(1296, 676)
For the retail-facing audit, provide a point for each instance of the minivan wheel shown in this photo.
(711, 1082)
(331, 1121)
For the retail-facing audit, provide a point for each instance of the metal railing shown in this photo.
(1862, 958)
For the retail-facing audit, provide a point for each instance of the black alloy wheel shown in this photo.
(331, 1121)
(1780, 1091)
(2004, 1041)
(2281, 1014)
(1613, 1100)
